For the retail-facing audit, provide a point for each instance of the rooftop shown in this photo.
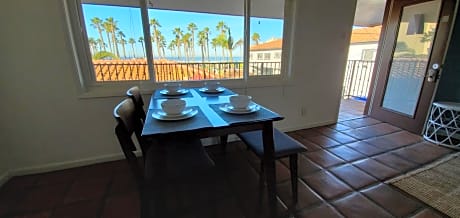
(368, 34)
(270, 45)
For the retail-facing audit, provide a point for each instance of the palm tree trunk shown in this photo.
(207, 47)
(110, 43)
(134, 53)
(124, 51)
(100, 36)
(178, 52)
(143, 49)
(223, 54)
(115, 44)
(202, 53)
(185, 53)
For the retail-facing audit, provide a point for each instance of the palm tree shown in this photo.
(155, 25)
(192, 27)
(230, 45)
(152, 40)
(132, 42)
(172, 47)
(97, 23)
(101, 44)
(222, 28)
(141, 40)
(207, 32)
(163, 45)
(107, 27)
(178, 32)
(112, 25)
(256, 38)
(222, 42)
(92, 45)
(202, 43)
(214, 44)
(186, 41)
(158, 42)
(122, 42)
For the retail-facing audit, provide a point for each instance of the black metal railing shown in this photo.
(358, 75)
(357, 79)
(131, 70)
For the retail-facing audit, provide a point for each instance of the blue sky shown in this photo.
(129, 21)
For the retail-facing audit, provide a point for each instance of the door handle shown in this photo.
(433, 72)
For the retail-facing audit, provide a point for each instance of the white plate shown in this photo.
(206, 90)
(187, 113)
(178, 92)
(230, 109)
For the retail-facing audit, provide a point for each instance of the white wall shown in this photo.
(4, 164)
(356, 50)
(46, 125)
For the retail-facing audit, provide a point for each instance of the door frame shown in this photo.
(415, 124)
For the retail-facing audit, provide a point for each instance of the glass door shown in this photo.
(410, 57)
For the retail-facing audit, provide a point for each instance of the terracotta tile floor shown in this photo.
(342, 175)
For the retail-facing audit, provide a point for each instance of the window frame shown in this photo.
(85, 74)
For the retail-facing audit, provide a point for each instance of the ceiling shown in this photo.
(368, 12)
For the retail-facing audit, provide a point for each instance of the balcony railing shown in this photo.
(357, 79)
(121, 70)
(358, 74)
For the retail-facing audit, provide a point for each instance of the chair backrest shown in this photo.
(128, 123)
(135, 94)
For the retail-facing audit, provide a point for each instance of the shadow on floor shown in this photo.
(342, 174)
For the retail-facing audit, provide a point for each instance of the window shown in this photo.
(164, 41)
(267, 56)
(277, 55)
(266, 35)
(260, 56)
(368, 54)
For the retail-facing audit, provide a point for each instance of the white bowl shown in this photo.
(212, 85)
(173, 106)
(240, 101)
(172, 87)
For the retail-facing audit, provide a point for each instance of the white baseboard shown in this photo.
(4, 178)
(310, 125)
(67, 164)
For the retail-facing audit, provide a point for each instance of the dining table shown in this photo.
(209, 117)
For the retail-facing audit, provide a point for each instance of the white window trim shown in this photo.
(89, 88)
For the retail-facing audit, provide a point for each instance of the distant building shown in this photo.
(363, 43)
(265, 58)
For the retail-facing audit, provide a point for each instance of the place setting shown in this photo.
(173, 110)
(173, 90)
(213, 88)
(240, 104)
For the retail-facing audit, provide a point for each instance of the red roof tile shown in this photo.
(369, 34)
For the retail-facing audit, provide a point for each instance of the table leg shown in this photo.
(223, 143)
(270, 170)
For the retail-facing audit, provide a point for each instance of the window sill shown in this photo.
(118, 89)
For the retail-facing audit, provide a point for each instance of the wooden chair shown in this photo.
(169, 158)
(135, 94)
(168, 164)
(285, 146)
(127, 125)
